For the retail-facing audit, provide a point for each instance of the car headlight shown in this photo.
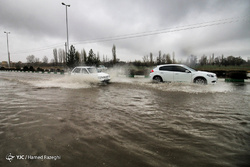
(210, 75)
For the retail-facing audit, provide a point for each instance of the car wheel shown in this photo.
(201, 81)
(157, 79)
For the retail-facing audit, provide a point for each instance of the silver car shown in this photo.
(181, 73)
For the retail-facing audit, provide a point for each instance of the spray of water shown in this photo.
(119, 75)
(68, 81)
(220, 87)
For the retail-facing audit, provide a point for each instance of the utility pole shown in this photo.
(67, 26)
(65, 53)
(8, 47)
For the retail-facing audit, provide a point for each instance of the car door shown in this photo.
(181, 74)
(166, 73)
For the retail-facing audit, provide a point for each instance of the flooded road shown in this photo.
(55, 120)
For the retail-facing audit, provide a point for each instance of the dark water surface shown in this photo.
(129, 122)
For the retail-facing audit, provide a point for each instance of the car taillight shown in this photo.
(152, 71)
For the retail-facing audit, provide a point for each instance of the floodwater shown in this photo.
(56, 120)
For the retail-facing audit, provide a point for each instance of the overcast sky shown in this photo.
(135, 27)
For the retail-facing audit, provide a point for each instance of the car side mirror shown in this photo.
(187, 71)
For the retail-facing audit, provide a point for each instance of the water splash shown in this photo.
(69, 82)
(220, 87)
(191, 87)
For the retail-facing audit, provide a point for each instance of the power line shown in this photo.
(39, 49)
(162, 31)
(144, 34)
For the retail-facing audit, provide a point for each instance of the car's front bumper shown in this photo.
(212, 80)
(104, 79)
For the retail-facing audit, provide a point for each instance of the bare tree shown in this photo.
(64, 56)
(83, 56)
(145, 59)
(168, 59)
(114, 54)
(203, 60)
(159, 58)
(60, 55)
(45, 60)
(37, 60)
(191, 60)
(151, 58)
(173, 58)
(30, 59)
(55, 56)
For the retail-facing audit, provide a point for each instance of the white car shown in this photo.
(87, 70)
(181, 73)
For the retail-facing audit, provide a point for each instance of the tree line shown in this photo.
(76, 58)
(221, 60)
(191, 60)
(150, 60)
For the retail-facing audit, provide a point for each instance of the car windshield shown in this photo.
(190, 69)
(92, 70)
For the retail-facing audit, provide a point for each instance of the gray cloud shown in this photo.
(37, 24)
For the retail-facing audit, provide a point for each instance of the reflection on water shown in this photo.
(130, 122)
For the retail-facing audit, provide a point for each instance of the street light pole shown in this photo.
(8, 46)
(67, 26)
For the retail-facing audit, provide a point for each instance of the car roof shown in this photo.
(85, 67)
(171, 65)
